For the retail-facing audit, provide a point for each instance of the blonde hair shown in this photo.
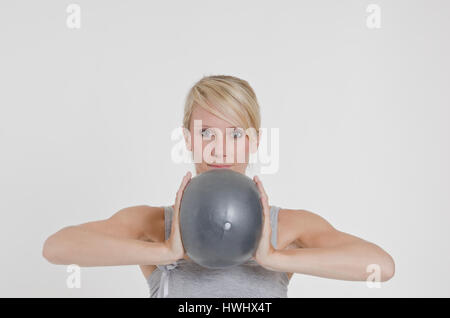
(228, 97)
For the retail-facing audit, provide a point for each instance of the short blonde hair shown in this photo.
(228, 97)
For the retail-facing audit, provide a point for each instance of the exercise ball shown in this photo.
(220, 218)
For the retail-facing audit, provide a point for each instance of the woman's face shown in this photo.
(214, 141)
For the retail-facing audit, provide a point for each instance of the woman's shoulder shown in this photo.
(296, 223)
(151, 217)
(290, 223)
(296, 214)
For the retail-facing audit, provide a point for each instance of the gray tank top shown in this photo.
(186, 279)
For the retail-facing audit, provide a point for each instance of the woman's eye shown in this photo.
(237, 133)
(206, 132)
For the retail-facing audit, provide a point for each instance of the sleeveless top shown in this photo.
(186, 279)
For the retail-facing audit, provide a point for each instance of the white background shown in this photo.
(86, 116)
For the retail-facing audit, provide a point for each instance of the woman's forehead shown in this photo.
(208, 119)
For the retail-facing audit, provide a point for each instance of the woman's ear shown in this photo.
(187, 138)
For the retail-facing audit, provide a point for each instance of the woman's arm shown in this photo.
(122, 239)
(327, 252)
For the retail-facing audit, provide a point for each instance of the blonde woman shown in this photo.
(292, 241)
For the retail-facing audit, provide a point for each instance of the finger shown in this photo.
(266, 210)
(264, 198)
(185, 181)
(183, 184)
(260, 185)
(180, 191)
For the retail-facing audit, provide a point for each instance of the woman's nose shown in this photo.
(220, 150)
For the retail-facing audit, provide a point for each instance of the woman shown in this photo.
(292, 241)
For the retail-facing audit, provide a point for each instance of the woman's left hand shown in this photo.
(265, 250)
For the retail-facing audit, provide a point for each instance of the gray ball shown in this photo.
(220, 218)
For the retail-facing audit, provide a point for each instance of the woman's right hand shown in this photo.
(174, 242)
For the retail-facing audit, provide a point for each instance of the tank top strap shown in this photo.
(166, 270)
(167, 227)
(274, 210)
(168, 211)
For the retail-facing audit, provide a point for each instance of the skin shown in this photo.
(307, 243)
(218, 154)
